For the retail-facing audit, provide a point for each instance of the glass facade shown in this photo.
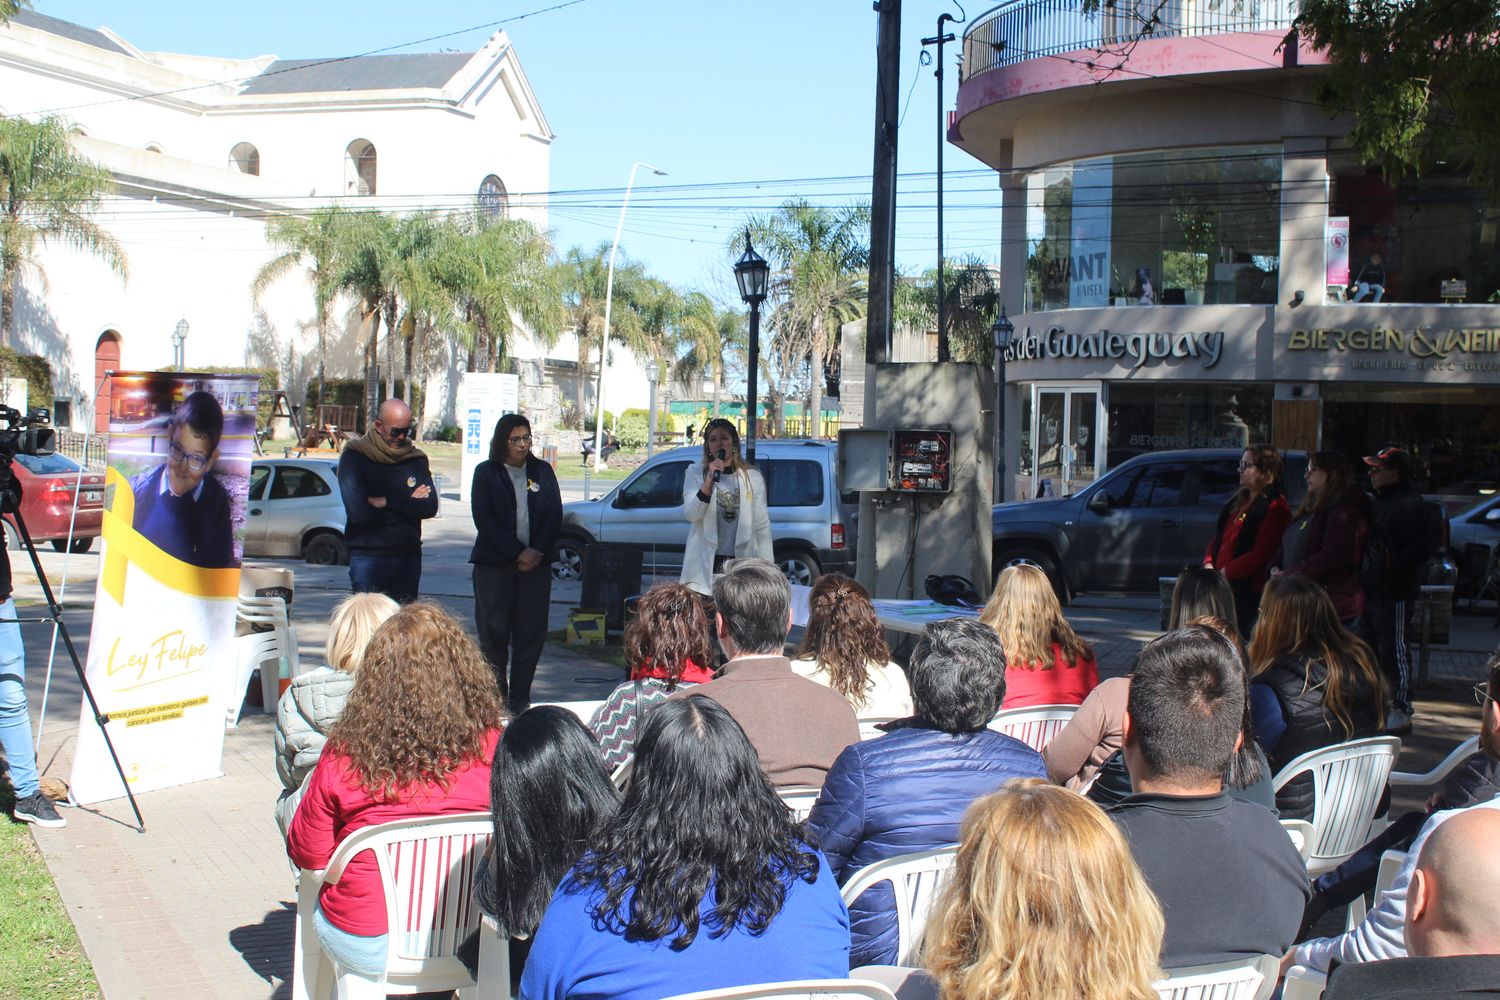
(1453, 432)
(1161, 416)
(1172, 227)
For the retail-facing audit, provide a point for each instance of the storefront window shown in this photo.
(1452, 432)
(1162, 416)
(1172, 227)
(1427, 239)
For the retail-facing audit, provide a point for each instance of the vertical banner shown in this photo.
(483, 398)
(1089, 269)
(1336, 250)
(161, 657)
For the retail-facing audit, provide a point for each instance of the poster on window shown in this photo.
(1089, 269)
(162, 652)
(1336, 250)
(483, 398)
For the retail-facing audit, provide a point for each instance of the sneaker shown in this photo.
(1398, 721)
(37, 808)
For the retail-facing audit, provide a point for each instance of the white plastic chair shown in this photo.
(1301, 832)
(494, 959)
(1385, 877)
(426, 870)
(1033, 726)
(1439, 774)
(1242, 980)
(868, 726)
(802, 989)
(258, 650)
(622, 774)
(915, 880)
(1302, 983)
(1348, 781)
(800, 799)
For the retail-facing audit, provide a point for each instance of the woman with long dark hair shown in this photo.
(517, 509)
(416, 739)
(844, 648)
(1327, 538)
(1314, 683)
(1046, 663)
(724, 500)
(1201, 592)
(666, 647)
(702, 879)
(1249, 533)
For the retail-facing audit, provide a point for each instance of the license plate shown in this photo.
(93, 496)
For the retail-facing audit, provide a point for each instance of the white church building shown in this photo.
(204, 149)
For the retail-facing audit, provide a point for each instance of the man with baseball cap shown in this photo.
(1406, 533)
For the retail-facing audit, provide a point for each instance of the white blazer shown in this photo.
(752, 529)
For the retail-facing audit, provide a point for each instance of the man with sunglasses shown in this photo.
(388, 492)
(179, 506)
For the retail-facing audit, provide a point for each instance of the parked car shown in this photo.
(812, 526)
(48, 483)
(294, 509)
(1146, 519)
(1472, 534)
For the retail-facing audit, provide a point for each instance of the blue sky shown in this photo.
(717, 94)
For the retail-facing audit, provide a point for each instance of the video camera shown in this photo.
(26, 435)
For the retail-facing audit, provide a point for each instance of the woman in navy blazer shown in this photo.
(512, 556)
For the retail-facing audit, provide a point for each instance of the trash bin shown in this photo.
(611, 573)
(549, 455)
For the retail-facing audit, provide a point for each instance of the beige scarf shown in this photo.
(377, 449)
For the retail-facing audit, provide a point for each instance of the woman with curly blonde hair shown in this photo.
(1045, 661)
(416, 739)
(844, 648)
(1045, 902)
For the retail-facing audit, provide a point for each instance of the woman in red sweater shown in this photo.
(1045, 661)
(1249, 534)
(416, 739)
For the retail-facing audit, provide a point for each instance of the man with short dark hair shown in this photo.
(1230, 883)
(1406, 532)
(797, 726)
(388, 492)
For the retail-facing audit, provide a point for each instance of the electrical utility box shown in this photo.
(904, 460)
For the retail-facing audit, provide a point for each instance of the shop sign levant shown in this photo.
(1421, 349)
(1139, 348)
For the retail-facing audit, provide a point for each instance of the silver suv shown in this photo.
(812, 526)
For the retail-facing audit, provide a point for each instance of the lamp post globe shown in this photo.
(1003, 331)
(752, 274)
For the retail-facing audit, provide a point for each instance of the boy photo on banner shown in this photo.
(161, 656)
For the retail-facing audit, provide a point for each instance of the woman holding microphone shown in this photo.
(724, 500)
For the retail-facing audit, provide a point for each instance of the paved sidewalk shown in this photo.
(200, 905)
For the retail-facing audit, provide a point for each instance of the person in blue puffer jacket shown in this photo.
(907, 791)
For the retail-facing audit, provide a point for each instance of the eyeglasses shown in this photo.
(1246, 465)
(521, 439)
(195, 462)
(400, 432)
(1482, 693)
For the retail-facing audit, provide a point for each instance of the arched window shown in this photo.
(493, 200)
(245, 158)
(359, 168)
(106, 359)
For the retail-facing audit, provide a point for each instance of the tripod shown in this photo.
(54, 618)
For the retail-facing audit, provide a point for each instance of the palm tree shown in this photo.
(819, 256)
(314, 243)
(8, 8)
(585, 284)
(500, 272)
(971, 292)
(710, 335)
(365, 273)
(48, 193)
(416, 252)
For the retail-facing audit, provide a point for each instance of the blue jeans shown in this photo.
(15, 717)
(355, 952)
(397, 577)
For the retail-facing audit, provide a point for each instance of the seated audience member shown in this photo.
(701, 880)
(1379, 936)
(416, 739)
(1091, 738)
(798, 727)
(1452, 921)
(844, 648)
(314, 701)
(549, 795)
(1045, 661)
(666, 647)
(1314, 683)
(1230, 883)
(1045, 901)
(1201, 592)
(907, 791)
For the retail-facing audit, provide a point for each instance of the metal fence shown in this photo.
(1019, 30)
(71, 444)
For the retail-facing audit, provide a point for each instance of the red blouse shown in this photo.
(1063, 684)
(691, 673)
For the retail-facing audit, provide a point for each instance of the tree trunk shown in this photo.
(7, 303)
(410, 344)
(390, 346)
(815, 391)
(718, 369)
(417, 352)
(372, 358)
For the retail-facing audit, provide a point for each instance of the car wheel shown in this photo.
(326, 549)
(1026, 555)
(12, 537)
(567, 560)
(800, 568)
(78, 548)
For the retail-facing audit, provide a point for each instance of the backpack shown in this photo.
(954, 591)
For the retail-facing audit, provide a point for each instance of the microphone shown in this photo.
(719, 472)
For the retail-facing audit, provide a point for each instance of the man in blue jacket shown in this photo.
(388, 493)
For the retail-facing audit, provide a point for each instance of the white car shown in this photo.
(294, 509)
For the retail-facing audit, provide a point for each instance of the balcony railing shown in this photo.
(1020, 30)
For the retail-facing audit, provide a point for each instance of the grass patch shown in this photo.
(40, 955)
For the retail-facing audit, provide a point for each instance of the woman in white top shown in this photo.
(724, 500)
(844, 648)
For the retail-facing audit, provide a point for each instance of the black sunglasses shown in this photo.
(400, 432)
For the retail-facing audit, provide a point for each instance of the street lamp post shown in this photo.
(1003, 331)
(179, 340)
(653, 375)
(942, 306)
(752, 273)
(609, 294)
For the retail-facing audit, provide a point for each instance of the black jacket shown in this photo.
(396, 528)
(1299, 684)
(493, 501)
(1407, 531)
(1416, 978)
(10, 502)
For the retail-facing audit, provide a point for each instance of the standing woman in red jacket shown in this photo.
(416, 739)
(1249, 534)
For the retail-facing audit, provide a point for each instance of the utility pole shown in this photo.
(942, 305)
(883, 189)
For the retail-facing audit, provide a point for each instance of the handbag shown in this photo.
(954, 591)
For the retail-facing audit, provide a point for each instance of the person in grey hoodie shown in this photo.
(313, 703)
